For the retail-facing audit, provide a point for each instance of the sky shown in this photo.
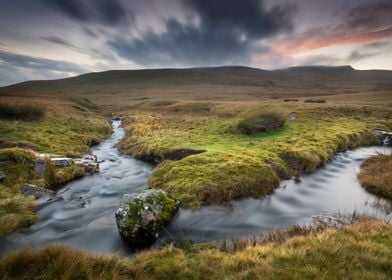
(51, 39)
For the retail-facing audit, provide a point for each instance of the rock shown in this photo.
(40, 166)
(90, 163)
(2, 175)
(61, 161)
(385, 137)
(142, 216)
(116, 118)
(293, 116)
(33, 190)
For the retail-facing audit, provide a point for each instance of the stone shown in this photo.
(142, 216)
(33, 190)
(90, 163)
(61, 161)
(293, 116)
(2, 175)
(385, 137)
(40, 166)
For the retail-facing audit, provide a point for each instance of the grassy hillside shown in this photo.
(358, 251)
(219, 83)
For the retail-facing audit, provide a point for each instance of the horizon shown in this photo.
(187, 68)
(55, 39)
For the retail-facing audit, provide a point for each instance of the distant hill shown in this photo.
(217, 82)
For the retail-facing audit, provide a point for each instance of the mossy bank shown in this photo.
(227, 163)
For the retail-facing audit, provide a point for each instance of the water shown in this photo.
(330, 190)
(85, 218)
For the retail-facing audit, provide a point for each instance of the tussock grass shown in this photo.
(359, 251)
(376, 175)
(264, 122)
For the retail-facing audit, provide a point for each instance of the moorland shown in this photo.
(213, 134)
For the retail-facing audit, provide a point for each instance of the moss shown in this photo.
(169, 206)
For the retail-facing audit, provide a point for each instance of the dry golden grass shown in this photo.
(358, 251)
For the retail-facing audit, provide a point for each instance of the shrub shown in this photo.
(264, 122)
(315, 101)
(23, 113)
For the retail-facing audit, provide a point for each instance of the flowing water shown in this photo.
(85, 218)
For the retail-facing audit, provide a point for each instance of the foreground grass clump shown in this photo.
(236, 165)
(24, 113)
(358, 251)
(376, 175)
(264, 122)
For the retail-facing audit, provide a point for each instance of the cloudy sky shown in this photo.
(48, 39)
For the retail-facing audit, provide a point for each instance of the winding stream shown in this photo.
(85, 218)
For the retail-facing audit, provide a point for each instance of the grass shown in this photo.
(359, 251)
(236, 165)
(66, 127)
(376, 175)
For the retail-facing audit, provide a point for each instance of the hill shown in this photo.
(214, 83)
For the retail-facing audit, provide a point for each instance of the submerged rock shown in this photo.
(143, 215)
(33, 190)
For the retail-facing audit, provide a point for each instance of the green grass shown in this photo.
(358, 251)
(236, 165)
(376, 175)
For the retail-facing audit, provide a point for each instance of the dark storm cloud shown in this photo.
(57, 40)
(226, 33)
(28, 62)
(107, 12)
(372, 15)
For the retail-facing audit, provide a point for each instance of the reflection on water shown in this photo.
(85, 218)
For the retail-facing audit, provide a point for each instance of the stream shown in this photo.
(85, 218)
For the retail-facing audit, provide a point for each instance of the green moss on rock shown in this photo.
(143, 215)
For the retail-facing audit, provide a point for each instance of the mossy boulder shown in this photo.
(142, 216)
